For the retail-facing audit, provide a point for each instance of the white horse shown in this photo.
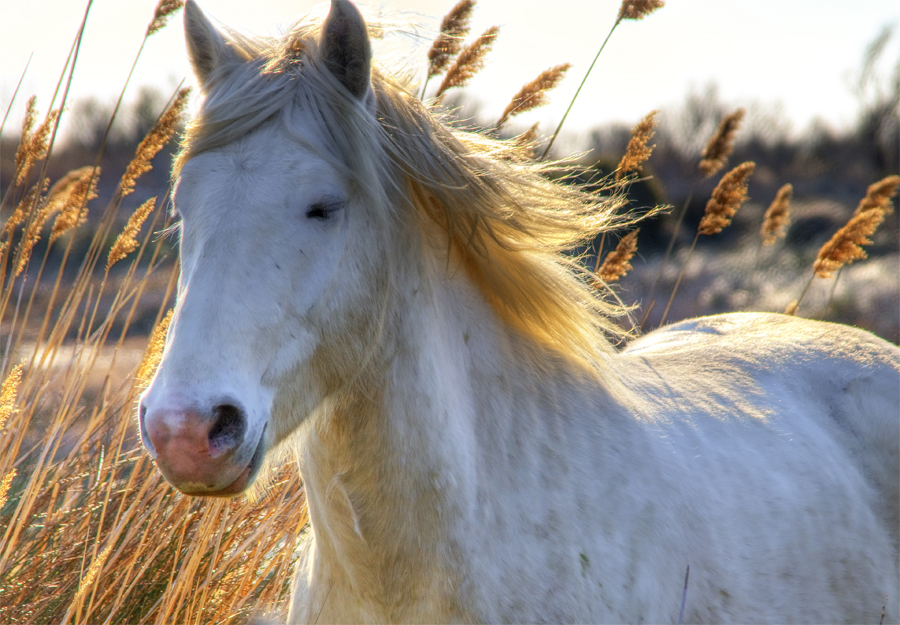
(395, 292)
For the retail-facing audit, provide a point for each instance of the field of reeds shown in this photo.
(91, 531)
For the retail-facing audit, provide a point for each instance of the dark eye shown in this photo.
(322, 210)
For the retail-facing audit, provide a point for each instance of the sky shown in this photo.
(792, 56)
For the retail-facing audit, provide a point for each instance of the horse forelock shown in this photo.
(509, 222)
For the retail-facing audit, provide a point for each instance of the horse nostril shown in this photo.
(227, 431)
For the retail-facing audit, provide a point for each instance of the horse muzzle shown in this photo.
(209, 453)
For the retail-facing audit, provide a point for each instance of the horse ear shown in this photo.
(344, 43)
(207, 49)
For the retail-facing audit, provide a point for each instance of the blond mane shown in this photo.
(513, 226)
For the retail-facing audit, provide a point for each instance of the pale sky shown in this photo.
(795, 54)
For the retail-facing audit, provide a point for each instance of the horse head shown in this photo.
(272, 196)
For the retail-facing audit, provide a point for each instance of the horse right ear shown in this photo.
(207, 49)
(345, 47)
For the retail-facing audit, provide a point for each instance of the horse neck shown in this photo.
(390, 466)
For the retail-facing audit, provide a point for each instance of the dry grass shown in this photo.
(469, 62)
(638, 151)
(721, 144)
(778, 216)
(618, 262)
(534, 94)
(454, 28)
(638, 9)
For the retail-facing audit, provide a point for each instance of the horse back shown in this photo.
(841, 379)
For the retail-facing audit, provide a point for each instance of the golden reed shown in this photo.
(150, 146)
(454, 28)
(846, 246)
(534, 94)
(638, 151)
(469, 62)
(638, 9)
(618, 261)
(721, 144)
(778, 216)
(126, 243)
(726, 198)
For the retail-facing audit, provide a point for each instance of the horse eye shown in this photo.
(322, 210)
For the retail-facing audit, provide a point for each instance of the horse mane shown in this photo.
(510, 223)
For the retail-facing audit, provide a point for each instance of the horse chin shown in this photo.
(243, 481)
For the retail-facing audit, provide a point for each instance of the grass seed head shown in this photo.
(155, 140)
(164, 10)
(454, 28)
(638, 9)
(81, 190)
(32, 233)
(618, 262)
(8, 392)
(469, 62)
(878, 196)
(726, 198)
(778, 216)
(25, 138)
(5, 483)
(847, 243)
(638, 151)
(153, 353)
(126, 242)
(534, 94)
(33, 148)
(721, 144)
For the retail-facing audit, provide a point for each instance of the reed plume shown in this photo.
(618, 261)
(726, 198)
(454, 28)
(638, 9)
(80, 190)
(88, 580)
(153, 353)
(33, 143)
(150, 146)
(23, 208)
(164, 10)
(66, 194)
(5, 483)
(721, 144)
(847, 243)
(638, 151)
(534, 94)
(469, 61)
(31, 235)
(8, 392)
(126, 243)
(25, 137)
(878, 196)
(778, 216)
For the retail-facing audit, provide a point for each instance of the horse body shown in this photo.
(472, 450)
(576, 501)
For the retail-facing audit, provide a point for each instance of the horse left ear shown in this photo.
(344, 43)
